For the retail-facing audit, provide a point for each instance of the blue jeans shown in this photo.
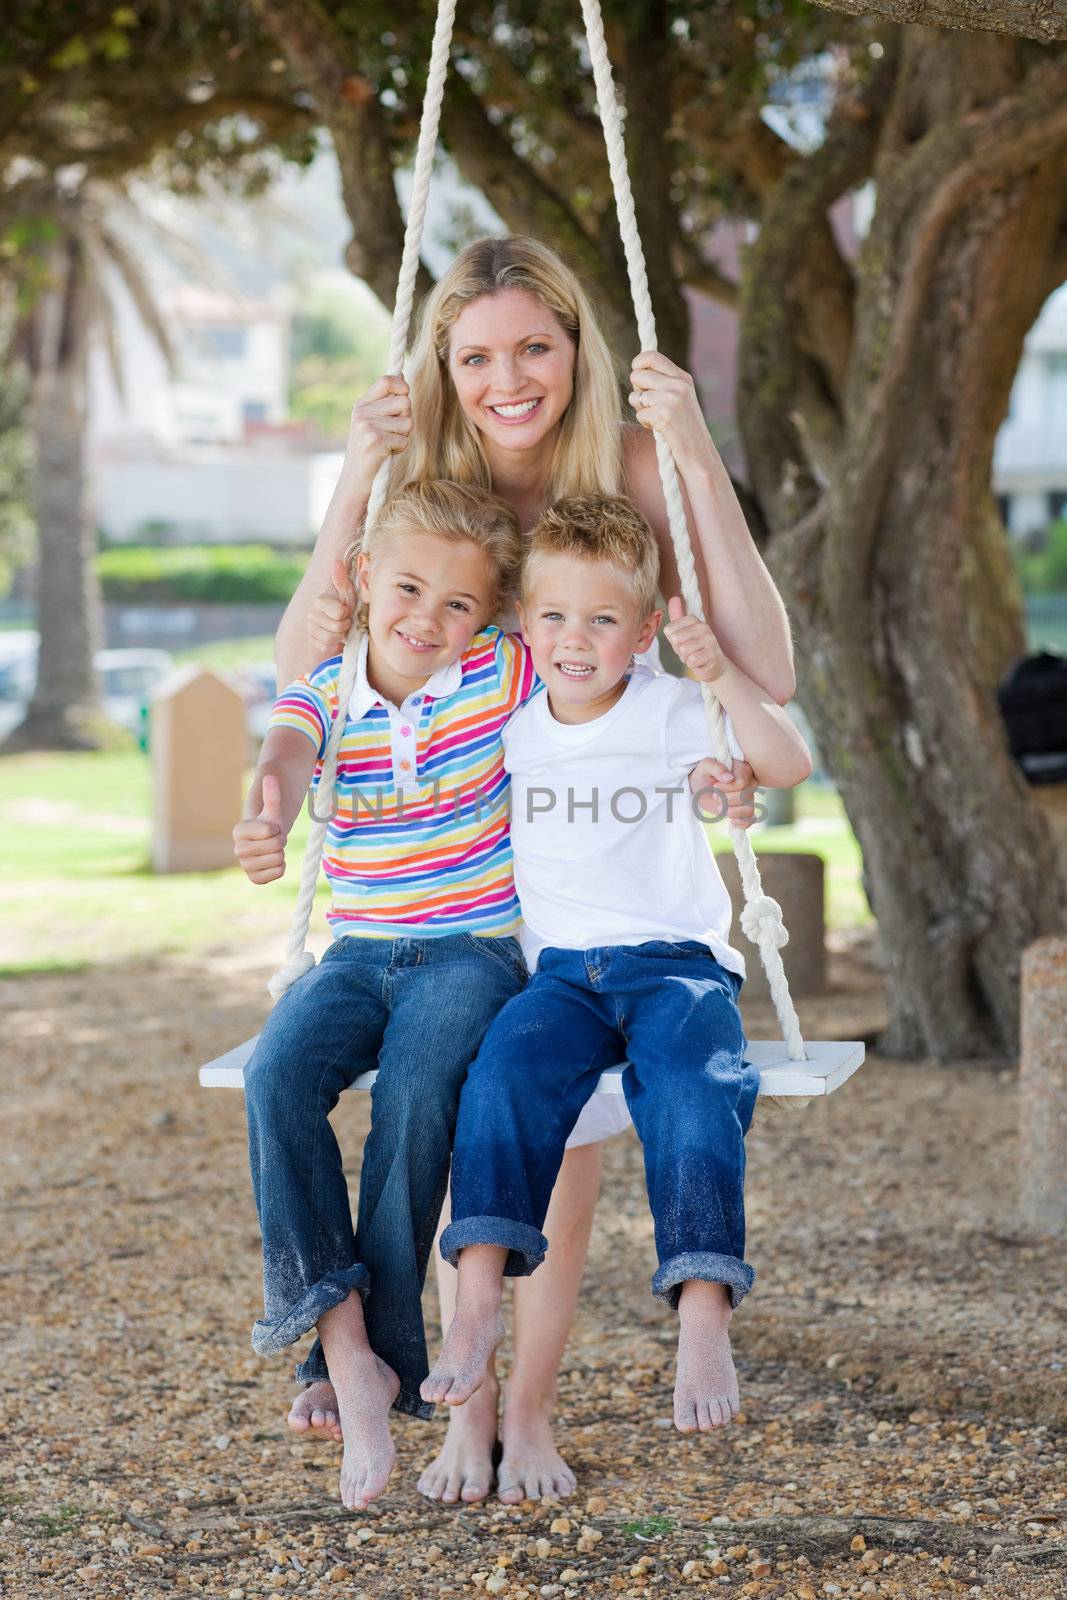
(672, 1010)
(417, 1010)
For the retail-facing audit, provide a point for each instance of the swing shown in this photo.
(788, 1067)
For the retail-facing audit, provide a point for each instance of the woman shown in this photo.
(513, 387)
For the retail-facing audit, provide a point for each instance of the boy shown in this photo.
(626, 933)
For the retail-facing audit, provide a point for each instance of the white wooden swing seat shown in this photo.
(788, 1067)
(826, 1069)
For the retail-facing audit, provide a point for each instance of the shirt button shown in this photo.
(405, 766)
(406, 733)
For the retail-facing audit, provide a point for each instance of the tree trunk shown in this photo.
(64, 713)
(900, 635)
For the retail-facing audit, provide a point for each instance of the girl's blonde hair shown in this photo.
(454, 512)
(444, 443)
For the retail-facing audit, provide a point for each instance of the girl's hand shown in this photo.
(330, 615)
(694, 644)
(736, 783)
(380, 427)
(664, 398)
(258, 842)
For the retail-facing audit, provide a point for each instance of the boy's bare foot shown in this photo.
(531, 1466)
(464, 1469)
(705, 1390)
(460, 1369)
(315, 1411)
(366, 1389)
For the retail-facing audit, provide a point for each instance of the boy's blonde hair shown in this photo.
(455, 512)
(444, 443)
(597, 527)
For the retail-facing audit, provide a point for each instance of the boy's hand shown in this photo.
(694, 644)
(258, 842)
(330, 616)
(736, 783)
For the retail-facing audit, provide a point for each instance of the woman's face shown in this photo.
(512, 363)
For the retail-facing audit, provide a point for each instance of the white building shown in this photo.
(204, 452)
(1030, 458)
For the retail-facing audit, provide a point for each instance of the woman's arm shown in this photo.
(380, 427)
(743, 606)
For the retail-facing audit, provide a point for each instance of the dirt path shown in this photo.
(901, 1357)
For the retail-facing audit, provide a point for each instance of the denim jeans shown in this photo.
(416, 1009)
(672, 1010)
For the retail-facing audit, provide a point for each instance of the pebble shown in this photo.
(596, 1505)
(859, 1544)
(221, 1441)
(496, 1582)
(560, 1525)
(337, 1574)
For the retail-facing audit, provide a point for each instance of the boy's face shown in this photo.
(426, 599)
(583, 626)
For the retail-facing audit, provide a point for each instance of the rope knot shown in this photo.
(764, 915)
(291, 973)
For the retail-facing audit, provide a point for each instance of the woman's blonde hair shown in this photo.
(597, 527)
(444, 443)
(454, 512)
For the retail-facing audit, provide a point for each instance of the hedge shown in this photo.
(223, 574)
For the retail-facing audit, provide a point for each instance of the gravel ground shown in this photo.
(901, 1358)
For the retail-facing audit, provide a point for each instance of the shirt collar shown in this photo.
(445, 681)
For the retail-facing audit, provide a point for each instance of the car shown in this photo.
(127, 679)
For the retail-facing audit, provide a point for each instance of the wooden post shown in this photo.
(199, 750)
(1043, 1088)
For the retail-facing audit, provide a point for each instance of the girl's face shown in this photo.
(512, 363)
(426, 599)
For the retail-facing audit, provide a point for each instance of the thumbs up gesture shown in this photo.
(259, 841)
(694, 644)
(330, 616)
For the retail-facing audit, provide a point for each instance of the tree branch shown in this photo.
(1044, 20)
(319, 55)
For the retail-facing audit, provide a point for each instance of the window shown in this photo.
(230, 343)
(1056, 385)
(254, 410)
(1057, 504)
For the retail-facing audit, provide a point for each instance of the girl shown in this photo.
(424, 915)
(513, 388)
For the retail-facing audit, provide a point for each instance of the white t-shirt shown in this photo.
(608, 847)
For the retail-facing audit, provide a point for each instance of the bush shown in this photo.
(212, 574)
(1044, 570)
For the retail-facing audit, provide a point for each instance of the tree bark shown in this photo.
(64, 713)
(1026, 19)
(900, 638)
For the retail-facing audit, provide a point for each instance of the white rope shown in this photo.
(761, 918)
(298, 958)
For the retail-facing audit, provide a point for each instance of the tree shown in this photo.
(93, 92)
(870, 389)
(1044, 20)
(69, 252)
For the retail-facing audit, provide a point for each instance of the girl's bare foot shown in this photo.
(366, 1389)
(315, 1411)
(705, 1390)
(531, 1466)
(460, 1369)
(464, 1469)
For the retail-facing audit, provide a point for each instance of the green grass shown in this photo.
(821, 828)
(76, 831)
(226, 655)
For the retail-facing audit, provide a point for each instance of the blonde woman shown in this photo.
(513, 388)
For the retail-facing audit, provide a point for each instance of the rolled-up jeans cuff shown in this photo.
(526, 1246)
(332, 1290)
(706, 1267)
(313, 1370)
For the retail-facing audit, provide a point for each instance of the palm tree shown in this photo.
(70, 255)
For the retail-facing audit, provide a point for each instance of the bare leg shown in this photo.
(476, 1330)
(545, 1304)
(705, 1392)
(366, 1389)
(463, 1471)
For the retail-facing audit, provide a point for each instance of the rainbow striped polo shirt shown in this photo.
(420, 843)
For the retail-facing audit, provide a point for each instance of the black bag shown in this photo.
(1033, 702)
